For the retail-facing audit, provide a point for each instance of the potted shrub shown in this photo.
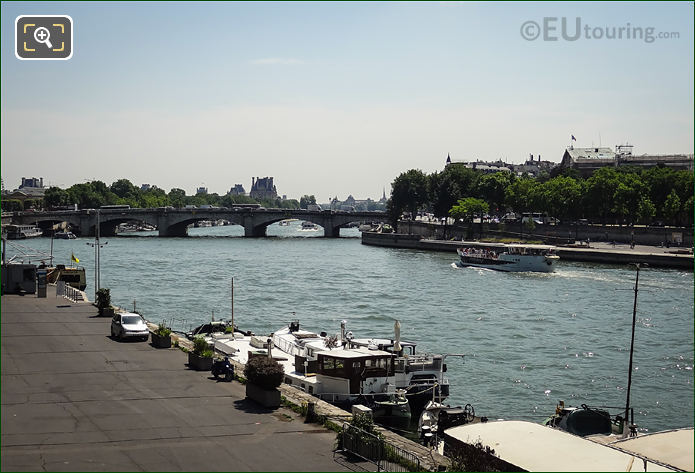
(104, 302)
(161, 337)
(200, 359)
(263, 376)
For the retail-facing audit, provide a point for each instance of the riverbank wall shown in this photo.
(553, 234)
(598, 253)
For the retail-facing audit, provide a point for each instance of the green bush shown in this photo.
(264, 372)
(104, 298)
(200, 346)
(163, 330)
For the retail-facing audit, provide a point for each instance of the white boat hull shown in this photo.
(543, 263)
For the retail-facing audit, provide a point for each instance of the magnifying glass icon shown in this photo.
(42, 35)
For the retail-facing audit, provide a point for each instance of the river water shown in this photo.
(529, 339)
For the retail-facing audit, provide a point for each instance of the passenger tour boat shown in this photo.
(539, 258)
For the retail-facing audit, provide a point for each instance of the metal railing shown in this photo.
(68, 292)
(385, 455)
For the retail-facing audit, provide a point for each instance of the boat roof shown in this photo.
(537, 247)
(535, 447)
(386, 342)
(670, 447)
(353, 353)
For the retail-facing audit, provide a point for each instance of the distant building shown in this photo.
(478, 165)
(587, 160)
(201, 190)
(31, 188)
(263, 188)
(145, 187)
(32, 182)
(360, 205)
(238, 189)
(533, 167)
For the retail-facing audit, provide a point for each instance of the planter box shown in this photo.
(107, 312)
(198, 363)
(265, 397)
(161, 342)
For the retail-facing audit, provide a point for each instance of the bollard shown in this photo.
(310, 411)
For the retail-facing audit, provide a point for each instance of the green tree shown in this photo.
(306, 200)
(561, 197)
(152, 198)
(86, 195)
(659, 181)
(409, 192)
(124, 189)
(600, 192)
(447, 187)
(645, 210)
(520, 194)
(491, 188)
(55, 197)
(672, 206)
(177, 197)
(466, 209)
(627, 195)
(12, 205)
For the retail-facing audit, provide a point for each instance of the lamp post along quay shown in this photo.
(97, 264)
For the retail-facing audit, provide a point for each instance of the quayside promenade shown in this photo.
(73, 399)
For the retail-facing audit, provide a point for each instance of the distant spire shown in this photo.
(384, 194)
(448, 158)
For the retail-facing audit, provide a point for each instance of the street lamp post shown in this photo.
(632, 347)
(97, 264)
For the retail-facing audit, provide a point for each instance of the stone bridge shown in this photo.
(174, 222)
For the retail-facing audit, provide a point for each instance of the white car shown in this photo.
(129, 325)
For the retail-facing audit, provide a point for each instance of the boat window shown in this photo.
(339, 364)
(288, 380)
(356, 365)
(368, 363)
(311, 389)
(328, 363)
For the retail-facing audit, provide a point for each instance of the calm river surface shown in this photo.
(529, 339)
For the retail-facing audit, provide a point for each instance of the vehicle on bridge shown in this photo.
(115, 207)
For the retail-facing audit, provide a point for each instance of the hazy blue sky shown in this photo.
(336, 98)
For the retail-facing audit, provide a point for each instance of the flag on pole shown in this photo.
(74, 258)
(573, 138)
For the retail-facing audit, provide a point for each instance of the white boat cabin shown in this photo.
(344, 374)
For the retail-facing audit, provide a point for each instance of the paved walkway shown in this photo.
(73, 399)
